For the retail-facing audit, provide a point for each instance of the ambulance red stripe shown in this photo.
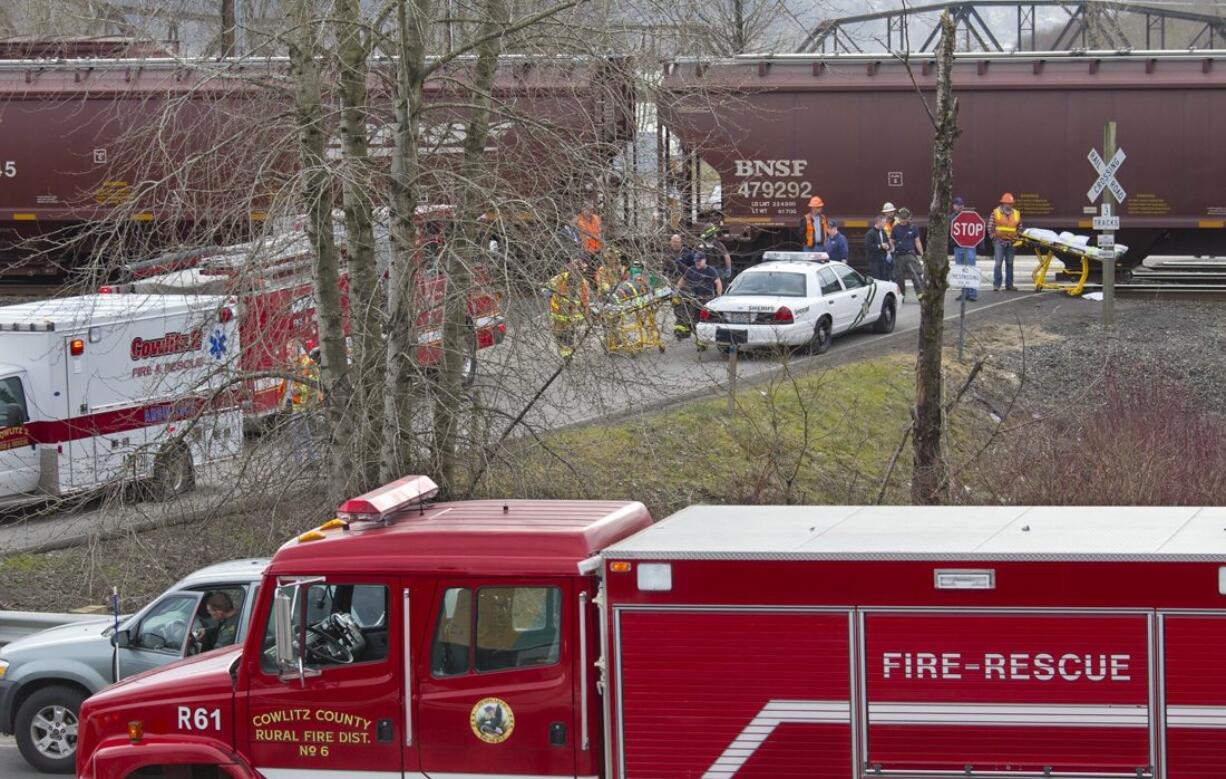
(125, 420)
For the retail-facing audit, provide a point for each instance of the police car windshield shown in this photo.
(776, 283)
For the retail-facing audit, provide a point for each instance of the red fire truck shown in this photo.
(577, 639)
(272, 280)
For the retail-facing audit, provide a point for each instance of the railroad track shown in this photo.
(1211, 281)
(25, 289)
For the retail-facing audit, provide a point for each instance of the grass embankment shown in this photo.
(825, 437)
(144, 564)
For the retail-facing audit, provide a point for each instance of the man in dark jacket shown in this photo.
(836, 243)
(877, 246)
(908, 247)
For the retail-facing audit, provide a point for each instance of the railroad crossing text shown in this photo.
(1016, 666)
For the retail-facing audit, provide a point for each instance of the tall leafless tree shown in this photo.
(929, 467)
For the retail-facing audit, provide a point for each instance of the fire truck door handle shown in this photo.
(386, 732)
(408, 674)
(557, 734)
(584, 741)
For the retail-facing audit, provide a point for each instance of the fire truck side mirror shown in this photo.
(283, 629)
(121, 639)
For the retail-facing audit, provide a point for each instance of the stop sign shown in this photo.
(968, 229)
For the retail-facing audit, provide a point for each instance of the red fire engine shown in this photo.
(545, 639)
(272, 280)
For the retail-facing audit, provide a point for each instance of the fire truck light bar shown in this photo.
(378, 504)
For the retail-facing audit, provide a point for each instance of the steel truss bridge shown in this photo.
(1084, 24)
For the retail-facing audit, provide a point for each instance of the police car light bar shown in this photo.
(378, 504)
(796, 256)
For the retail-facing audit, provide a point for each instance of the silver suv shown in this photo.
(44, 677)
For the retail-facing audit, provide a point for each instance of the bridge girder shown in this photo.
(1089, 24)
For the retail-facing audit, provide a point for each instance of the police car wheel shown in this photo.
(822, 336)
(885, 323)
(46, 729)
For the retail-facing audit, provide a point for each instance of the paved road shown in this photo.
(12, 766)
(597, 384)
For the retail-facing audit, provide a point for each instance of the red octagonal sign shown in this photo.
(968, 229)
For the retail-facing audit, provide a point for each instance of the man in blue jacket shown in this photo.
(836, 243)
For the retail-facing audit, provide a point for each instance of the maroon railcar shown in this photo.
(167, 151)
(853, 130)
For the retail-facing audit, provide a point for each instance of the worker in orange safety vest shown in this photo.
(590, 230)
(1003, 229)
(814, 227)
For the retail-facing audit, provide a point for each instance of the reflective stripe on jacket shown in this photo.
(569, 301)
(1004, 226)
(811, 240)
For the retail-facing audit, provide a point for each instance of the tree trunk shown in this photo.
(929, 467)
(228, 23)
(317, 198)
(401, 375)
(464, 252)
(365, 306)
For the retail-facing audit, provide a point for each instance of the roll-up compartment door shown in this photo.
(1194, 659)
(1057, 694)
(717, 694)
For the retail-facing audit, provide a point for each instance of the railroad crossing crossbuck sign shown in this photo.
(1106, 175)
(968, 229)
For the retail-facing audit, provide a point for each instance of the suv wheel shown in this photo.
(47, 729)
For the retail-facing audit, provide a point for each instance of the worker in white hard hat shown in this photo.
(888, 212)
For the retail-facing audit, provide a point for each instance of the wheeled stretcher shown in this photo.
(629, 314)
(1074, 251)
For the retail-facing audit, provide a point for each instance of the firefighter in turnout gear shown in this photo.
(569, 299)
(306, 393)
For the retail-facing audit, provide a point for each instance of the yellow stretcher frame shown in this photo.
(1046, 253)
(632, 326)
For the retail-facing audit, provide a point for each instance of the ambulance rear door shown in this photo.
(18, 454)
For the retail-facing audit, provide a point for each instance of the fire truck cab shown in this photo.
(403, 639)
(499, 640)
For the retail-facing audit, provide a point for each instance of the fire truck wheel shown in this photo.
(823, 335)
(885, 323)
(173, 474)
(46, 728)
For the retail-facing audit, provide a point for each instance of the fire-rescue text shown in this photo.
(1016, 666)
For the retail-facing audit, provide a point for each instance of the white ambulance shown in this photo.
(105, 389)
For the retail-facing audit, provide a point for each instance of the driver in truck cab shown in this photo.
(224, 627)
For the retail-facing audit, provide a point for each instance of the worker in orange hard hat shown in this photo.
(814, 227)
(1003, 229)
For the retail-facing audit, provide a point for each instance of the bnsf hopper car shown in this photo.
(852, 129)
(163, 152)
